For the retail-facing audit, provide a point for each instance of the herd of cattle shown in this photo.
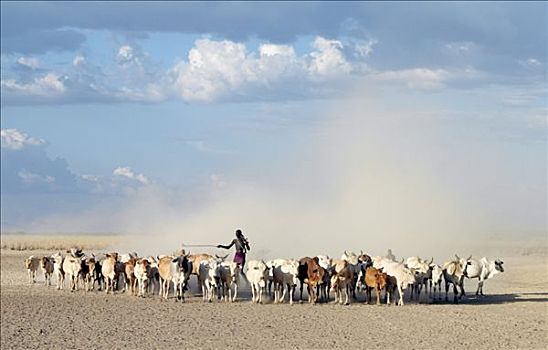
(217, 277)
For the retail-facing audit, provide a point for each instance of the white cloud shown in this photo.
(328, 60)
(420, 78)
(364, 49)
(14, 139)
(78, 61)
(50, 85)
(461, 47)
(30, 62)
(276, 50)
(31, 178)
(125, 54)
(216, 69)
(126, 172)
(530, 63)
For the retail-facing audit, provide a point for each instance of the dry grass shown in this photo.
(23, 242)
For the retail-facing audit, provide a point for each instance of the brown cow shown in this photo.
(311, 274)
(47, 268)
(374, 279)
(129, 272)
(342, 279)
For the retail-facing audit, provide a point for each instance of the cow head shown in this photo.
(44, 261)
(29, 262)
(498, 265)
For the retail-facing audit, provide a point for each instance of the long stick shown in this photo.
(199, 245)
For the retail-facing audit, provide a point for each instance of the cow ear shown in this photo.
(175, 260)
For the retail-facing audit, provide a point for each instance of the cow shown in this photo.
(72, 266)
(46, 264)
(257, 275)
(142, 269)
(153, 275)
(58, 270)
(482, 269)
(404, 276)
(285, 273)
(129, 273)
(208, 277)
(310, 274)
(354, 263)
(453, 273)
(271, 264)
(31, 264)
(87, 272)
(422, 271)
(229, 278)
(435, 280)
(98, 275)
(168, 273)
(374, 279)
(341, 281)
(109, 271)
(183, 269)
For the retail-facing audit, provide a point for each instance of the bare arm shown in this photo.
(226, 246)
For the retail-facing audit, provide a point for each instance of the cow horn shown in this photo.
(431, 261)
(456, 256)
(361, 252)
(217, 256)
(470, 257)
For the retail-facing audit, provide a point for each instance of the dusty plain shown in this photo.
(513, 315)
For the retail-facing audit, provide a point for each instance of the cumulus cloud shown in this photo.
(50, 85)
(15, 139)
(216, 69)
(126, 172)
(328, 60)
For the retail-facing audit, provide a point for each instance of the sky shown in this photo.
(295, 121)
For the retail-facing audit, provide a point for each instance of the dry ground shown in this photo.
(513, 316)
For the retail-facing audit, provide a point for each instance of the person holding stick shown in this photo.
(242, 246)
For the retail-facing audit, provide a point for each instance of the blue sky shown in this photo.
(162, 117)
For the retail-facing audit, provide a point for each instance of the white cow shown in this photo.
(108, 269)
(32, 263)
(142, 269)
(435, 280)
(285, 273)
(404, 276)
(422, 271)
(257, 275)
(453, 273)
(482, 269)
(72, 266)
(58, 269)
(208, 277)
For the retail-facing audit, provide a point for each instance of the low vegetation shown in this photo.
(22, 242)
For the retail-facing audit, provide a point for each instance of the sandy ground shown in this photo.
(514, 315)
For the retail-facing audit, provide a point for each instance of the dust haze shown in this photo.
(375, 176)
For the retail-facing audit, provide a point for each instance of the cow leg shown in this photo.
(446, 290)
(378, 295)
(400, 292)
(455, 294)
(480, 288)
